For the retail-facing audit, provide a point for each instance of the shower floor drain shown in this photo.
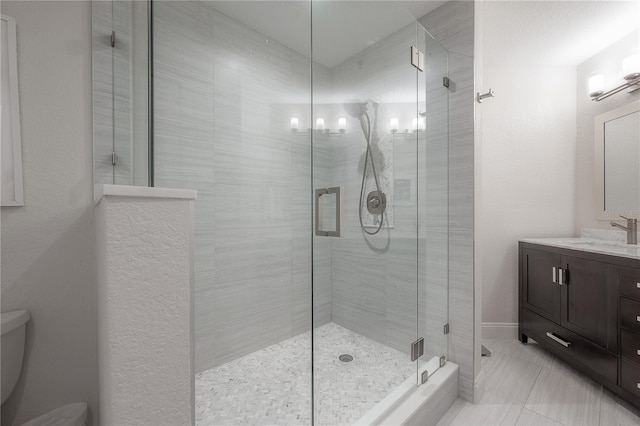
(345, 358)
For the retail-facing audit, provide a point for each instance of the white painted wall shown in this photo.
(537, 133)
(48, 245)
(528, 161)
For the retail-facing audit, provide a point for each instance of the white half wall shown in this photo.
(144, 251)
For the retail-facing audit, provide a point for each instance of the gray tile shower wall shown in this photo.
(374, 278)
(453, 25)
(223, 98)
(112, 91)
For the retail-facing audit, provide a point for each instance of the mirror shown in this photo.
(617, 160)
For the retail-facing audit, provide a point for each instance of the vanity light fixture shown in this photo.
(596, 85)
(342, 124)
(393, 124)
(294, 124)
(631, 73)
(631, 67)
(320, 130)
(417, 124)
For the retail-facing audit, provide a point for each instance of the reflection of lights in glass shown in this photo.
(417, 123)
(294, 124)
(342, 124)
(393, 124)
(596, 85)
(320, 125)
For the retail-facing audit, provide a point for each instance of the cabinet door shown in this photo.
(539, 293)
(586, 301)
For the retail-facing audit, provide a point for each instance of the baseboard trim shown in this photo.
(500, 330)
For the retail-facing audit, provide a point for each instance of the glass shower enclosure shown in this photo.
(316, 135)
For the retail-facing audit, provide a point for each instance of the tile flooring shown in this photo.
(526, 385)
(273, 385)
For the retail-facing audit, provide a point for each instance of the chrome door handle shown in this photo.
(338, 213)
(557, 339)
(560, 276)
(554, 275)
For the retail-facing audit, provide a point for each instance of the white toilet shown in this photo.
(13, 327)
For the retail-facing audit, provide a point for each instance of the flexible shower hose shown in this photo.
(368, 154)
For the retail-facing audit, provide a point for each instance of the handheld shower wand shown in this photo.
(376, 200)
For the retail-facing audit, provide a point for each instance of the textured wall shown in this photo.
(223, 98)
(144, 310)
(608, 62)
(48, 245)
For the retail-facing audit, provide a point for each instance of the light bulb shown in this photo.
(596, 85)
(342, 124)
(631, 67)
(294, 124)
(320, 125)
(417, 123)
(393, 124)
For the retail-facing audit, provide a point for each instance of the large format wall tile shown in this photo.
(224, 96)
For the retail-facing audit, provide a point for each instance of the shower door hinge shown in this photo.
(443, 361)
(417, 58)
(446, 329)
(417, 349)
(424, 377)
(113, 38)
(114, 158)
(446, 82)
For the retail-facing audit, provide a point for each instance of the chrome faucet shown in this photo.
(631, 228)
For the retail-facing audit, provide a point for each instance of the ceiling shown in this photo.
(340, 28)
(514, 33)
(553, 33)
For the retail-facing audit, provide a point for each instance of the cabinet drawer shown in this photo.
(570, 345)
(630, 377)
(630, 346)
(630, 314)
(629, 279)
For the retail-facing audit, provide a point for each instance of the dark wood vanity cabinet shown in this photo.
(585, 308)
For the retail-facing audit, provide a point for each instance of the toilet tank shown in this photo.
(12, 349)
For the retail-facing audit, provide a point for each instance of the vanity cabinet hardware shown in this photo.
(557, 339)
(561, 276)
(629, 279)
(638, 318)
(638, 351)
(558, 275)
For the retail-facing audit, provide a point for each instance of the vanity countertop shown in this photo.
(593, 245)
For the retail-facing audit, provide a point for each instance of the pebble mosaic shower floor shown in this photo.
(272, 386)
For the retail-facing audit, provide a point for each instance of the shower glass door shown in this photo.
(320, 157)
(365, 131)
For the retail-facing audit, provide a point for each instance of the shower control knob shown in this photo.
(374, 202)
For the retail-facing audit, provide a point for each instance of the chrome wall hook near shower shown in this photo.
(480, 97)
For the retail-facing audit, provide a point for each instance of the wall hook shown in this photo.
(489, 94)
